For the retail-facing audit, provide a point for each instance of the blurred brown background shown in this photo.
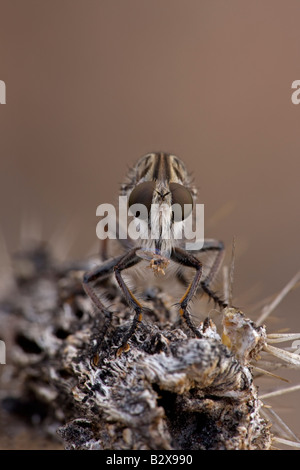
(93, 85)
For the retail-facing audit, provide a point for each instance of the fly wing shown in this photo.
(144, 254)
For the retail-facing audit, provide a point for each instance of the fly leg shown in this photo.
(115, 265)
(186, 259)
(217, 247)
(98, 274)
(129, 260)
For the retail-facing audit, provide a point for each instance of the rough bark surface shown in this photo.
(169, 391)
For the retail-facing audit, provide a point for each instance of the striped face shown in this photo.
(159, 182)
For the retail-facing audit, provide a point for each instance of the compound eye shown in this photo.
(183, 199)
(141, 196)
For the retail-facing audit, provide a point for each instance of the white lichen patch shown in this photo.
(242, 336)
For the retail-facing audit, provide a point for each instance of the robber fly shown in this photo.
(158, 179)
